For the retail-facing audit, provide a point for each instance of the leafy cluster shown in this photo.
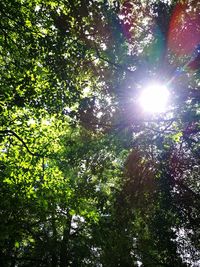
(86, 177)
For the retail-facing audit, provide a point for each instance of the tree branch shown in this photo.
(8, 132)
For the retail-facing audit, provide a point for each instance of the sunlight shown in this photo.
(154, 98)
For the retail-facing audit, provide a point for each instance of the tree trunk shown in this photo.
(64, 251)
(54, 256)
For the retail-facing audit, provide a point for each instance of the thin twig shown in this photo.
(8, 132)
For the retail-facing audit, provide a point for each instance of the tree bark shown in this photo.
(64, 251)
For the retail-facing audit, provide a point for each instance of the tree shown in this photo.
(88, 178)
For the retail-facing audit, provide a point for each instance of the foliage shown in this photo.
(86, 177)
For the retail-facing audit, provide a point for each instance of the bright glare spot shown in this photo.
(31, 122)
(86, 91)
(154, 98)
(37, 8)
(46, 122)
(103, 46)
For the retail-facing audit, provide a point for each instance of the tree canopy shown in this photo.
(87, 177)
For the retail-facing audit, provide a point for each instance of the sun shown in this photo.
(154, 98)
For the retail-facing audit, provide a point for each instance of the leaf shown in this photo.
(17, 245)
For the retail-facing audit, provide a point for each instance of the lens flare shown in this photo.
(154, 98)
(184, 28)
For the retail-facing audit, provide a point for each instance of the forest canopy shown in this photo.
(99, 133)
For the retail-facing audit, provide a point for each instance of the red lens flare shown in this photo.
(184, 28)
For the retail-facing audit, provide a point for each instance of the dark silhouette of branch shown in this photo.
(114, 64)
(10, 132)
